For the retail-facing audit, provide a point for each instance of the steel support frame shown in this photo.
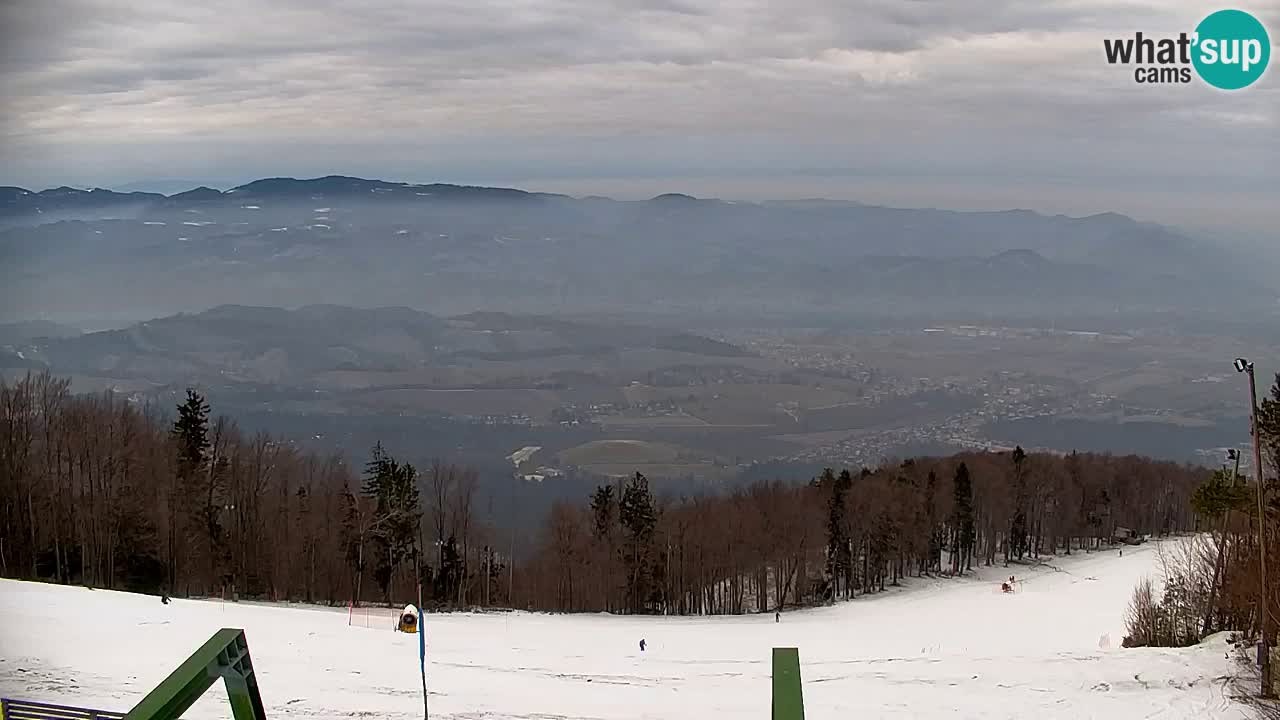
(225, 656)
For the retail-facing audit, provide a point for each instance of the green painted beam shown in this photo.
(225, 656)
(788, 697)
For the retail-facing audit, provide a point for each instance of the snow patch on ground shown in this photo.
(944, 648)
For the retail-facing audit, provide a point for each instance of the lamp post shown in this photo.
(1246, 367)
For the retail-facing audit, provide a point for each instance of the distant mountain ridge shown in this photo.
(457, 248)
(17, 201)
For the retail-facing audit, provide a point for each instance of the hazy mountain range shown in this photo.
(75, 255)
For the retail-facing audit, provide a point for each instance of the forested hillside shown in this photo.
(776, 544)
(99, 491)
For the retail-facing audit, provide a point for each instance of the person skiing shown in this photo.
(641, 644)
(777, 617)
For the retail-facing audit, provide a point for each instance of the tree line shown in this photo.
(100, 491)
(772, 544)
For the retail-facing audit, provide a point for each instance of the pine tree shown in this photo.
(191, 430)
(396, 518)
(839, 554)
(1016, 543)
(1221, 494)
(963, 533)
(449, 578)
(1269, 431)
(302, 499)
(933, 563)
(638, 518)
(604, 512)
(187, 515)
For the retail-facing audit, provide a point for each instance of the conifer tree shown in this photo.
(962, 520)
(604, 513)
(187, 514)
(393, 488)
(839, 555)
(638, 518)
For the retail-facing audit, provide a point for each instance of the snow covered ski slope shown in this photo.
(936, 649)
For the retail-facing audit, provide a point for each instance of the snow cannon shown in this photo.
(409, 619)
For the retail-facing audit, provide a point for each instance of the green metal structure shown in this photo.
(788, 697)
(225, 656)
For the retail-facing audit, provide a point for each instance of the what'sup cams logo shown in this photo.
(1228, 50)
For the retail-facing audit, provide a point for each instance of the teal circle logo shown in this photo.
(1231, 49)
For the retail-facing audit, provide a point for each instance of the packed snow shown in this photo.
(954, 648)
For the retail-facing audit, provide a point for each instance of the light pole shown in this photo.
(1246, 367)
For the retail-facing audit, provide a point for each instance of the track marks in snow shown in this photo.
(35, 680)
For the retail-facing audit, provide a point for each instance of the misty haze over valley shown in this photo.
(699, 340)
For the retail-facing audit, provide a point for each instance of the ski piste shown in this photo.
(924, 650)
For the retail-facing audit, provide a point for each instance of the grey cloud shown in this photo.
(108, 92)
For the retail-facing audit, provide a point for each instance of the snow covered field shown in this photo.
(946, 648)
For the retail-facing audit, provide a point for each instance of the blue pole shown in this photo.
(422, 660)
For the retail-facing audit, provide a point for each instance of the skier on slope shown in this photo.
(641, 644)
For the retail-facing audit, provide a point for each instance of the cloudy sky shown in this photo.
(990, 104)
